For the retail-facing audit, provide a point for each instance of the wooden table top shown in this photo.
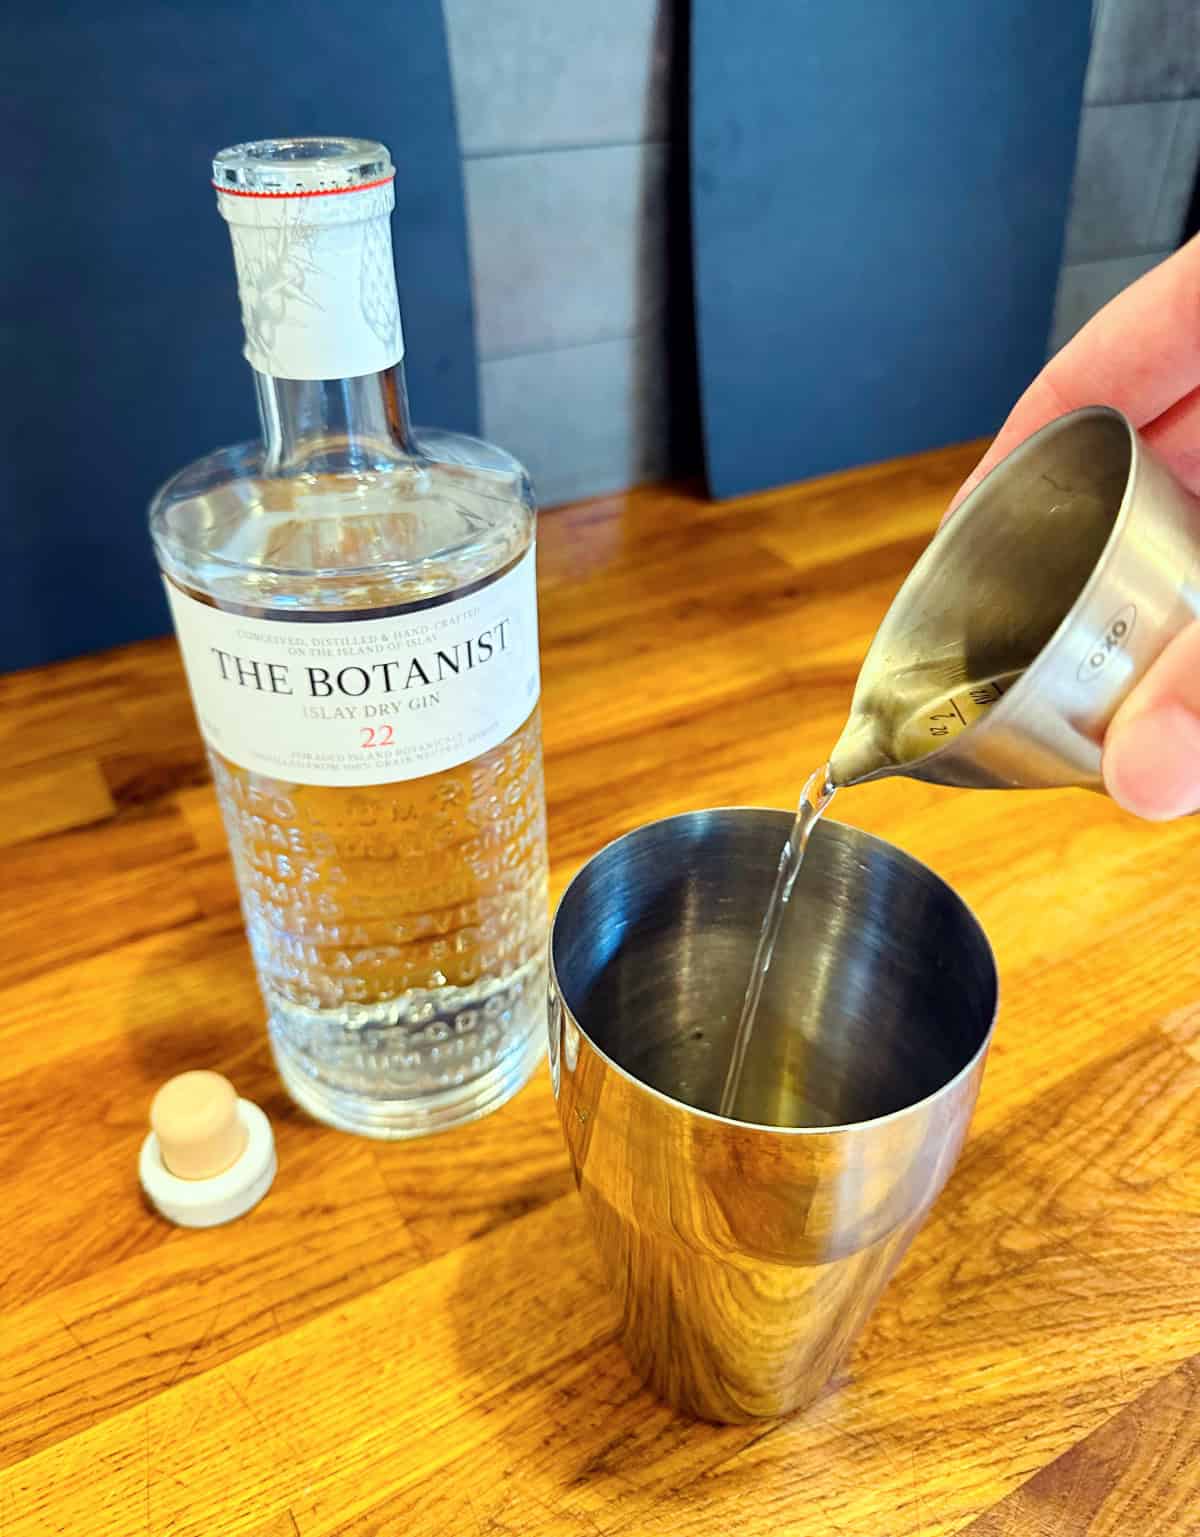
(412, 1338)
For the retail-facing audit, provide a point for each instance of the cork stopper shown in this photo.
(195, 1118)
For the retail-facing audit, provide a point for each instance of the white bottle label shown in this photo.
(316, 281)
(368, 701)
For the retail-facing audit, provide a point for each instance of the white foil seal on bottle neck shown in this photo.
(314, 271)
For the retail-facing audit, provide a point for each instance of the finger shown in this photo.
(1176, 439)
(1041, 403)
(1141, 353)
(1152, 749)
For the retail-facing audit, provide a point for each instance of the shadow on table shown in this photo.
(194, 1003)
(565, 1426)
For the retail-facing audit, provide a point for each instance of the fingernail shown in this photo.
(1152, 763)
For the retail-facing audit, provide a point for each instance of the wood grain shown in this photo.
(52, 798)
(1112, 1479)
(414, 1339)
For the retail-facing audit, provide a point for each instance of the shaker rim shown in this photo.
(910, 861)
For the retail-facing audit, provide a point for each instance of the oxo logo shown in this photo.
(1115, 638)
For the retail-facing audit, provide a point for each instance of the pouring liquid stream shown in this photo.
(814, 798)
(926, 729)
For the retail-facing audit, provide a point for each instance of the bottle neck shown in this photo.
(322, 323)
(322, 426)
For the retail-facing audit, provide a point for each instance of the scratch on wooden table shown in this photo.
(554, 1514)
(69, 1329)
(479, 1527)
(146, 1420)
(197, 1345)
(254, 1414)
(918, 1501)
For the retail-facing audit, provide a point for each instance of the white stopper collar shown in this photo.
(230, 1194)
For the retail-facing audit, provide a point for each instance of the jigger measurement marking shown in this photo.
(980, 694)
(942, 715)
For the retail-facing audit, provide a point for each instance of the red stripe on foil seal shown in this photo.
(365, 186)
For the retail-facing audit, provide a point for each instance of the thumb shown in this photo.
(1152, 748)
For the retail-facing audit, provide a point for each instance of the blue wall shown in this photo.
(879, 195)
(120, 340)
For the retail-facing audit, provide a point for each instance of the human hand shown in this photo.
(1141, 353)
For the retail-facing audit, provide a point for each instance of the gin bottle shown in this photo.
(356, 608)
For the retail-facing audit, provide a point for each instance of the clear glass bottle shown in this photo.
(356, 608)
